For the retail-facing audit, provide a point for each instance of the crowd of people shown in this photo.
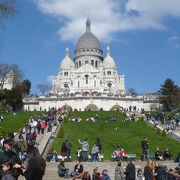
(83, 153)
(170, 121)
(153, 170)
(11, 166)
(19, 154)
(79, 173)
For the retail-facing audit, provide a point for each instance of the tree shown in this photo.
(43, 88)
(7, 9)
(24, 87)
(10, 100)
(14, 99)
(168, 95)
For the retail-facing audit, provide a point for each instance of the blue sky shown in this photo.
(144, 37)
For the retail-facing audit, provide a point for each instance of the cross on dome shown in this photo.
(67, 51)
(88, 25)
(108, 51)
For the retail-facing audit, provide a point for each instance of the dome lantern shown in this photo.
(66, 62)
(109, 61)
(88, 25)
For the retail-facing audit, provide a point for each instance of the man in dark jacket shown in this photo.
(145, 149)
(8, 154)
(130, 171)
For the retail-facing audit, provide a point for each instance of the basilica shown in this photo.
(89, 81)
(89, 72)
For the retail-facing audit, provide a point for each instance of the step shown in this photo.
(52, 167)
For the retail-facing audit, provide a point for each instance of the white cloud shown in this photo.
(108, 16)
(174, 41)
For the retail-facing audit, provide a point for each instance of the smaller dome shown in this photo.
(109, 61)
(66, 62)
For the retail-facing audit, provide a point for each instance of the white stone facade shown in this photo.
(89, 82)
(89, 72)
(7, 82)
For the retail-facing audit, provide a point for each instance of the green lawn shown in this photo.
(129, 134)
(15, 121)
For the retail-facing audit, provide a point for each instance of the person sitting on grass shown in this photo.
(79, 154)
(158, 154)
(115, 155)
(94, 152)
(167, 154)
(122, 154)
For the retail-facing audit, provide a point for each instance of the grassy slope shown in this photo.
(15, 121)
(128, 135)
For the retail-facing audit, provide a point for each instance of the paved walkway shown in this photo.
(52, 170)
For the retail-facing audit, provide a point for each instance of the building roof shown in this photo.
(88, 40)
(66, 62)
(109, 61)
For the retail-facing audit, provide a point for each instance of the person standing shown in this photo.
(160, 172)
(145, 149)
(148, 170)
(8, 154)
(85, 149)
(35, 167)
(105, 176)
(119, 173)
(68, 150)
(130, 171)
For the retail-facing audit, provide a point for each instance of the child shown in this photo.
(140, 175)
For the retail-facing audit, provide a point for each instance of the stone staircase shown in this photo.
(52, 173)
(52, 167)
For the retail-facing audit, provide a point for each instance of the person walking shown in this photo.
(119, 172)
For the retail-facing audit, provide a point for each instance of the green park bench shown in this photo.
(131, 156)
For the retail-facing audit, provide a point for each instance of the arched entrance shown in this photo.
(66, 108)
(116, 108)
(91, 107)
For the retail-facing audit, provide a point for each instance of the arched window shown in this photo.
(96, 63)
(79, 63)
(78, 84)
(65, 73)
(94, 83)
(86, 77)
(92, 62)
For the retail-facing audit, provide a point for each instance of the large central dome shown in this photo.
(88, 40)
